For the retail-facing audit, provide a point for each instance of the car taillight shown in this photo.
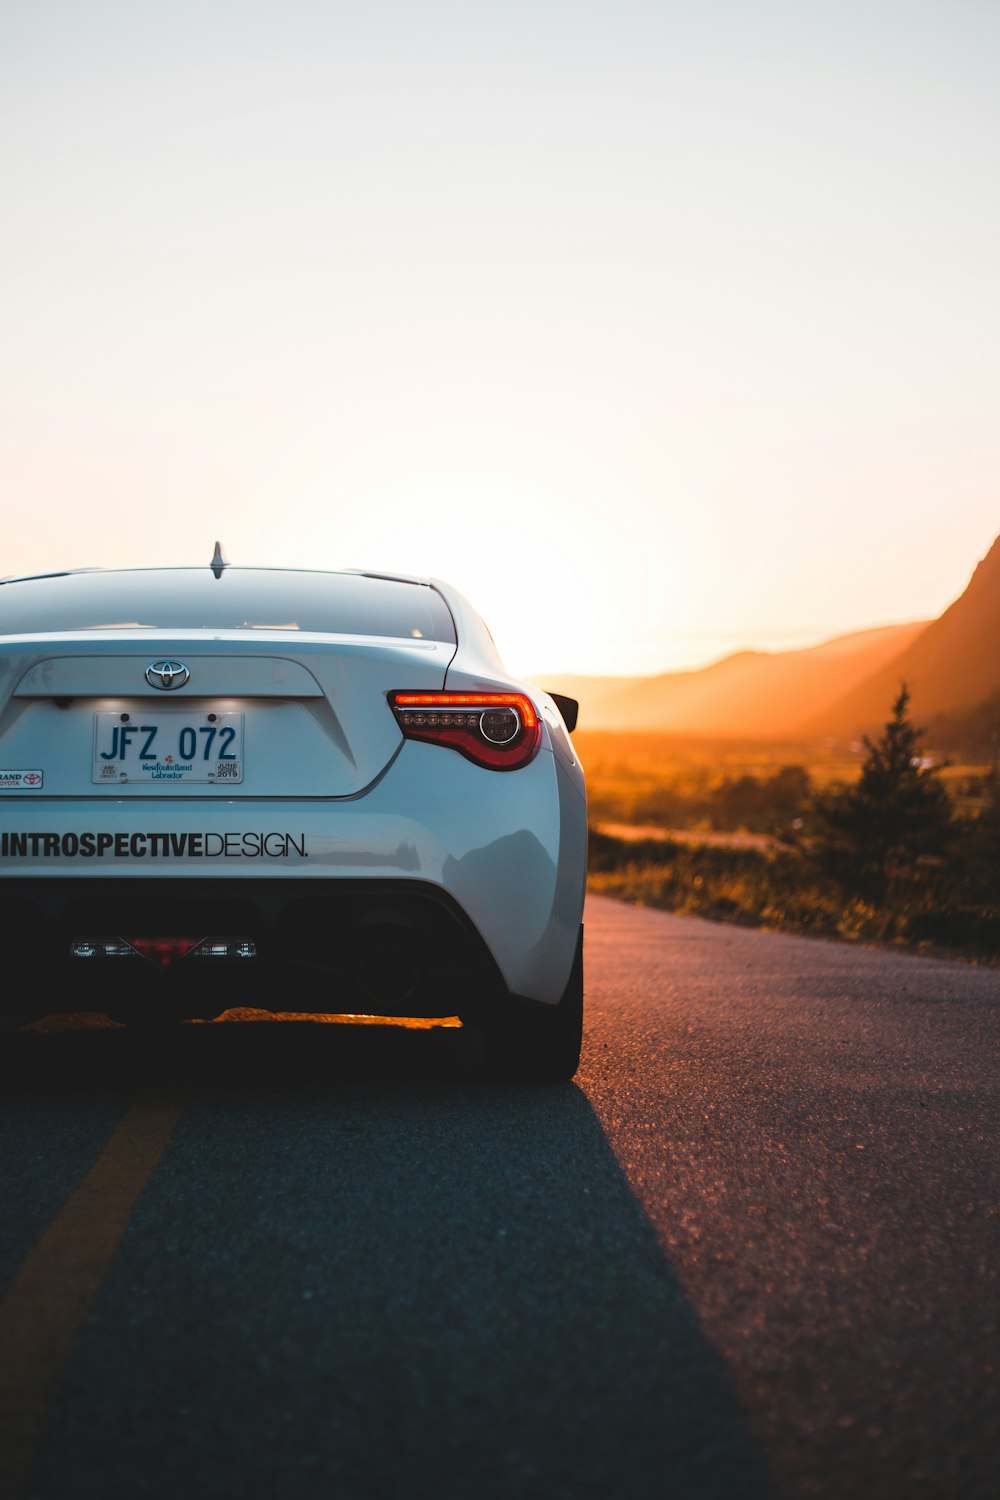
(498, 730)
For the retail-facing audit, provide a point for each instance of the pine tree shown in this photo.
(871, 834)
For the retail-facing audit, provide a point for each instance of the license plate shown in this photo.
(167, 747)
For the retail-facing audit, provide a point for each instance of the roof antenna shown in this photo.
(219, 561)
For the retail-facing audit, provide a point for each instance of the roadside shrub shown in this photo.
(870, 836)
(783, 890)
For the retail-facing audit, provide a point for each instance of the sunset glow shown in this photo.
(658, 330)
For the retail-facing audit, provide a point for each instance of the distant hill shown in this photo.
(753, 692)
(844, 687)
(951, 667)
(592, 693)
(968, 733)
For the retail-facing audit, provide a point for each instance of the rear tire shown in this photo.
(534, 1042)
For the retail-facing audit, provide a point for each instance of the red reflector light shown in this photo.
(500, 731)
(163, 950)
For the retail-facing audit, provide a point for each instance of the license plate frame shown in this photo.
(145, 748)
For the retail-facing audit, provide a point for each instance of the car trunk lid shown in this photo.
(310, 720)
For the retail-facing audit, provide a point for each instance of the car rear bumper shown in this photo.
(479, 894)
(382, 947)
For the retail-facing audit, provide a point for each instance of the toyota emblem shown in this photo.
(168, 675)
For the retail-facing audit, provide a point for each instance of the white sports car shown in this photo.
(296, 790)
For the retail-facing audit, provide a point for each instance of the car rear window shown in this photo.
(238, 599)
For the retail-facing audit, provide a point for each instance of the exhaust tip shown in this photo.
(386, 972)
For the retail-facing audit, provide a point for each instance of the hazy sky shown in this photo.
(660, 329)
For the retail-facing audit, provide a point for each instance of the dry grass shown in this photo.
(663, 834)
(667, 781)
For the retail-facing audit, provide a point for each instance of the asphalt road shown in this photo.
(752, 1250)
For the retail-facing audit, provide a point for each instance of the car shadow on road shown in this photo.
(363, 1269)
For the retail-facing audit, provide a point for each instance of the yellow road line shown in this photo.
(50, 1297)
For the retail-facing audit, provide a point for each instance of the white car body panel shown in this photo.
(332, 791)
(309, 698)
(508, 867)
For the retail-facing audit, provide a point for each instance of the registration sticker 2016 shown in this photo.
(21, 781)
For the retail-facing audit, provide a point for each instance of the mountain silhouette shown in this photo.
(752, 692)
(844, 687)
(952, 665)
